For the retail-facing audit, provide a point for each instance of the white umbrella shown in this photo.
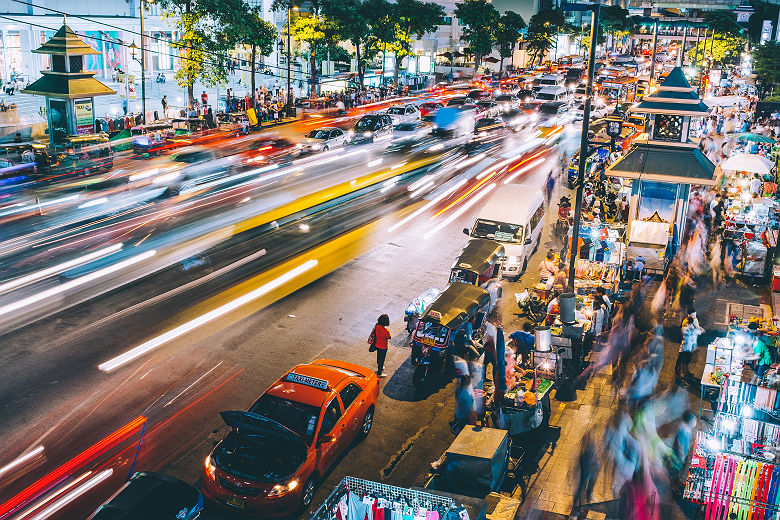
(748, 162)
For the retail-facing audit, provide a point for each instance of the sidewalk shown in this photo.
(554, 475)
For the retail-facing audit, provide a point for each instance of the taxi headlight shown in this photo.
(211, 469)
(282, 489)
(366, 134)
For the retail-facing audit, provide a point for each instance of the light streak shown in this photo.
(40, 205)
(534, 164)
(459, 212)
(431, 203)
(54, 291)
(35, 453)
(375, 162)
(95, 202)
(44, 273)
(73, 495)
(465, 195)
(212, 315)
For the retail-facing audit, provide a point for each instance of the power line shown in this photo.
(121, 43)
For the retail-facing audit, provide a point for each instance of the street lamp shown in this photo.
(289, 62)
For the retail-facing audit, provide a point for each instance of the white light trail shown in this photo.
(430, 203)
(95, 202)
(54, 291)
(39, 204)
(44, 273)
(74, 494)
(524, 169)
(375, 162)
(212, 315)
(35, 453)
(459, 212)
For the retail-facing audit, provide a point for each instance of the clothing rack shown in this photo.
(370, 488)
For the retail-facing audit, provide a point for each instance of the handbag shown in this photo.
(372, 340)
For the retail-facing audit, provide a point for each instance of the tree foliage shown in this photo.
(509, 26)
(543, 29)
(412, 19)
(208, 30)
(723, 22)
(721, 51)
(763, 11)
(614, 20)
(480, 21)
(766, 66)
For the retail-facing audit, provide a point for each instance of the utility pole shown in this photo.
(288, 101)
(143, 65)
(696, 52)
(652, 60)
(575, 235)
(684, 41)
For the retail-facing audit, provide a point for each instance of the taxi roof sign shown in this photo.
(313, 382)
(434, 315)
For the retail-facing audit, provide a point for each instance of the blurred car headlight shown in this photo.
(282, 489)
(366, 134)
(316, 146)
(351, 133)
(513, 260)
(211, 469)
(299, 145)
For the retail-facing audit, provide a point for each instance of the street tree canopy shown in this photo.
(766, 66)
(412, 19)
(723, 22)
(509, 26)
(543, 29)
(480, 22)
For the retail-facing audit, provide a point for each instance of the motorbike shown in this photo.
(532, 307)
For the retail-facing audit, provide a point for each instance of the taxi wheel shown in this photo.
(368, 422)
(325, 148)
(308, 492)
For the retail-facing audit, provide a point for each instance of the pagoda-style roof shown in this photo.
(72, 86)
(674, 96)
(665, 163)
(66, 42)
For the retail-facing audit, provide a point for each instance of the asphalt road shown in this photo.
(61, 401)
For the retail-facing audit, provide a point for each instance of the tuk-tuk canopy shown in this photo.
(457, 304)
(479, 255)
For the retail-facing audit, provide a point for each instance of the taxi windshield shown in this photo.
(298, 417)
(246, 458)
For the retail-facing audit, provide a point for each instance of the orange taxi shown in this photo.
(275, 453)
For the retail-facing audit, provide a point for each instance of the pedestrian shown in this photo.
(691, 330)
(550, 185)
(124, 105)
(164, 103)
(681, 445)
(524, 342)
(761, 350)
(547, 267)
(379, 341)
(490, 340)
(589, 467)
(204, 99)
(465, 412)
(18, 137)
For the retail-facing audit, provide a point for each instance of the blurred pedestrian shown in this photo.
(464, 405)
(164, 103)
(379, 341)
(589, 467)
(680, 446)
(690, 337)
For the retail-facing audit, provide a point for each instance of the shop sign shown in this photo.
(424, 64)
(85, 116)
(131, 94)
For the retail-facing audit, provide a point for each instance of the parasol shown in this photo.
(748, 162)
(447, 55)
(458, 54)
(754, 137)
(491, 59)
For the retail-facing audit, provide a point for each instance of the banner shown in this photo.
(85, 116)
(122, 79)
(131, 86)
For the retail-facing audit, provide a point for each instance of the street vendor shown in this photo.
(524, 342)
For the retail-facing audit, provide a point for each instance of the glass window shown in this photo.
(300, 418)
(668, 128)
(331, 417)
(349, 394)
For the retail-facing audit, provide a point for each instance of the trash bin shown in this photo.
(776, 278)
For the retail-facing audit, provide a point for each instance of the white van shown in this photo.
(514, 216)
(547, 80)
(557, 93)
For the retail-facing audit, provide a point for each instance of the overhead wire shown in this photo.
(155, 38)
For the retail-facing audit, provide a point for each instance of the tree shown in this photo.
(766, 66)
(543, 28)
(260, 35)
(763, 11)
(207, 32)
(725, 51)
(412, 18)
(616, 21)
(309, 28)
(479, 20)
(509, 26)
(723, 22)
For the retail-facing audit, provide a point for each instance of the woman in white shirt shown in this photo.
(599, 317)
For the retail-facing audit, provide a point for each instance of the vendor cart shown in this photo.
(518, 412)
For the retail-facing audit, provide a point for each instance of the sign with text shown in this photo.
(85, 116)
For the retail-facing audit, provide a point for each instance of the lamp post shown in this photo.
(133, 49)
(594, 24)
(288, 101)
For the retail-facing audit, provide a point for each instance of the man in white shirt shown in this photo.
(755, 184)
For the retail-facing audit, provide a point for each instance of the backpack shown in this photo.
(372, 340)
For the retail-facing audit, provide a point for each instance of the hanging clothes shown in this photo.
(357, 509)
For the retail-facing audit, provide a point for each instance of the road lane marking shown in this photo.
(193, 384)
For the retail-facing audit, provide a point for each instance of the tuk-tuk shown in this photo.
(84, 154)
(152, 138)
(19, 160)
(479, 263)
(599, 154)
(456, 305)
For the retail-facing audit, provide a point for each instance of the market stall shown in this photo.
(601, 259)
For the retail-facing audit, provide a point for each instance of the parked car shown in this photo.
(323, 139)
(152, 496)
(404, 113)
(371, 127)
(276, 453)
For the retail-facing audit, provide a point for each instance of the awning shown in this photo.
(664, 163)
